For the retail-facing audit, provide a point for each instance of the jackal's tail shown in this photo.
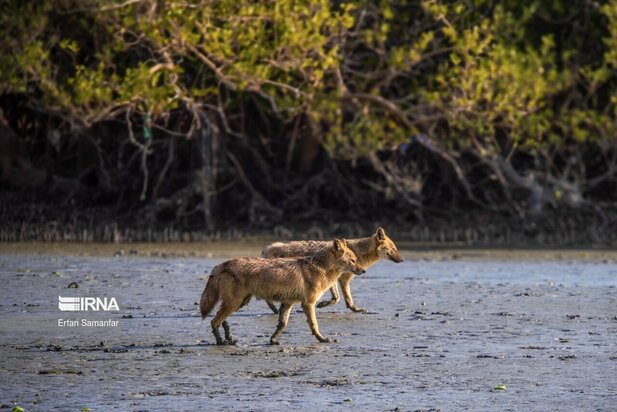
(274, 250)
(210, 295)
(265, 253)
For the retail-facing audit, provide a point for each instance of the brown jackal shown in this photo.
(368, 251)
(285, 280)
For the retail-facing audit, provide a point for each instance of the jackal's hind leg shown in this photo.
(335, 298)
(246, 301)
(227, 308)
(229, 340)
(272, 307)
(217, 335)
(347, 295)
(283, 319)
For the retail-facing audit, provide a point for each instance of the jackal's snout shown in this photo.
(395, 257)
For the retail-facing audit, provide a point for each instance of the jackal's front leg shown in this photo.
(335, 298)
(344, 281)
(309, 311)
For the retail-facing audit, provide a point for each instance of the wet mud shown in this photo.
(443, 332)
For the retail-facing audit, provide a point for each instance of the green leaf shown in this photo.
(500, 388)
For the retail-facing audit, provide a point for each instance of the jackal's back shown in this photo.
(294, 249)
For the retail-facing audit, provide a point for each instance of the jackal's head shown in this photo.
(386, 247)
(345, 258)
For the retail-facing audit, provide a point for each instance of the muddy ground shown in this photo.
(445, 329)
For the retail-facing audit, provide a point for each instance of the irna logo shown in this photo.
(87, 303)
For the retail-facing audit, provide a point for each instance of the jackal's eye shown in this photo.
(353, 261)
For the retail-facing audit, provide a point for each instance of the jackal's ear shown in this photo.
(338, 245)
(381, 234)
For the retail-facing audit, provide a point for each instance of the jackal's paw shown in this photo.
(327, 340)
(325, 303)
(231, 342)
(274, 342)
(358, 310)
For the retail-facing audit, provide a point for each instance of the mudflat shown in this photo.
(446, 330)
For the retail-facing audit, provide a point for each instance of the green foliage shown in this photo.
(493, 83)
(370, 73)
(283, 50)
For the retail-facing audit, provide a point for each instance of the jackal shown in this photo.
(368, 251)
(287, 280)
